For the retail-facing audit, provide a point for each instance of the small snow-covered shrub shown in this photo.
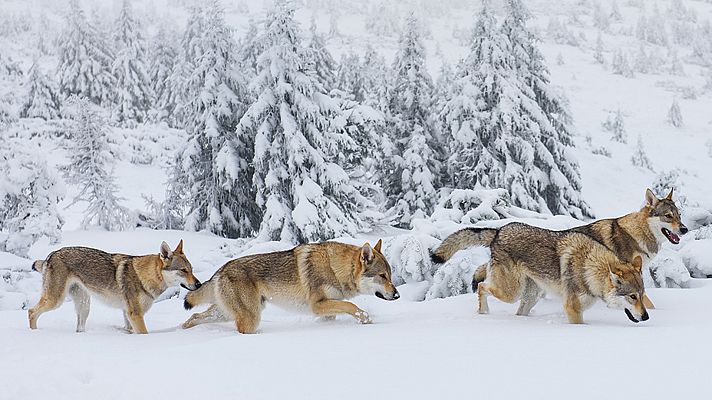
(667, 270)
(466, 206)
(409, 256)
(697, 257)
(29, 194)
(455, 276)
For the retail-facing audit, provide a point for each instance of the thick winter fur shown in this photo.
(641, 233)
(314, 277)
(526, 261)
(131, 283)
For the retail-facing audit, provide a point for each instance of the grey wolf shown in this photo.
(130, 283)
(526, 261)
(316, 277)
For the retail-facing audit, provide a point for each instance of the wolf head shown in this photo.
(176, 267)
(627, 289)
(664, 218)
(376, 273)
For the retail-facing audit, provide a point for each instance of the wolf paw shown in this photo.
(363, 317)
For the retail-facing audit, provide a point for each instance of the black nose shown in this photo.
(396, 295)
(198, 284)
(645, 316)
(683, 229)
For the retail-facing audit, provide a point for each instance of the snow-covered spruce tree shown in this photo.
(84, 59)
(349, 77)
(7, 114)
(320, 59)
(132, 92)
(598, 51)
(42, 99)
(639, 158)
(507, 129)
(616, 125)
(249, 49)
(91, 168)
(29, 195)
(620, 65)
(163, 59)
(641, 63)
(674, 116)
(601, 19)
(414, 165)
(303, 195)
(216, 159)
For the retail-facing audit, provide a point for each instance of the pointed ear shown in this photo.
(165, 251)
(179, 248)
(638, 263)
(366, 253)
(650, 199)
(377, 247)
(669, 196)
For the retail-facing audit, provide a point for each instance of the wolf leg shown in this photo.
(532, 294)
(247, 321)
(212, 314)
(572, 306)
(333, 307)
(482, 293)
(127, 323)
(134, 313)
(82, 303)
(54, 286)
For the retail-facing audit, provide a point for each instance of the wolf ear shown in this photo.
(179, 248)
(638, 263)
(377, 247)
(367, 253)
(669, 196)
(650, 198)
(165, 251)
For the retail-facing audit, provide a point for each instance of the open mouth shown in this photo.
(630, 316)
(673, 238)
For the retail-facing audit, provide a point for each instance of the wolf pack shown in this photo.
(601, 260)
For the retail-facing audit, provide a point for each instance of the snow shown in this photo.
(432, 349)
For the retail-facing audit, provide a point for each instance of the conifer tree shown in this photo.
(42, 99)
(133, 94)
(84, 59)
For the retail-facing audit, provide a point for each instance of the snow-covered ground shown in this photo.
(413, 350)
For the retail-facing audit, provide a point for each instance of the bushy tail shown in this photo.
(39, 265)
(462, 239)
(202, 295)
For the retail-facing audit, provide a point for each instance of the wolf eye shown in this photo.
(384, 276)
(633, 296)
(184, 270)
(668, 215)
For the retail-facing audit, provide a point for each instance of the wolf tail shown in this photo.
(202, 295)
(39, 265)
(462, 239)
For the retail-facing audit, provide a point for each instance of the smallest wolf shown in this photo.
(131, 283)
(526, 261)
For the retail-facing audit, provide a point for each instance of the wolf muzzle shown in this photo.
(395, 296)
(643, 317)
(195, 287)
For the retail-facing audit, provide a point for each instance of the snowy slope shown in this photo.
(434, 349)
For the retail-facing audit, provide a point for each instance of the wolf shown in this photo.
(123, 281)
(316, 277)
(526, 261)
(640, 233)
